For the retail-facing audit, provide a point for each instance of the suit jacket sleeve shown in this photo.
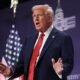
(67, 55)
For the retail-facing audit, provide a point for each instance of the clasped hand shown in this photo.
(4, 70)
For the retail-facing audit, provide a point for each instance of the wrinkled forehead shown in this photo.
(39, 11)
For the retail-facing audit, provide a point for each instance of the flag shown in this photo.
(12, 49)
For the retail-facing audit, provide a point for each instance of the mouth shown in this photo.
(37, 23)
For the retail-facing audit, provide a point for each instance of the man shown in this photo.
(48, 55)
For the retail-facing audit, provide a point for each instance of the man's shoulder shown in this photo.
(61, 34)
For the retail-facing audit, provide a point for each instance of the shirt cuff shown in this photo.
(60, 76)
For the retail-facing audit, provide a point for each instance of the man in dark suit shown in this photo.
(54, 60)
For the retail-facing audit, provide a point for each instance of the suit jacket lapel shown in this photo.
(48, 42)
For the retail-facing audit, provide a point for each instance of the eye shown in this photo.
(41, 15)
(38, 15)
(33, 15)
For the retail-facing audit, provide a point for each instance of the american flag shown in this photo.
(12, 49)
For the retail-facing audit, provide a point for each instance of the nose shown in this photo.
(36, 17)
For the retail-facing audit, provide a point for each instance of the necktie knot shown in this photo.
(42, 35)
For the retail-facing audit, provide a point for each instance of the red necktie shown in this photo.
(35, 54)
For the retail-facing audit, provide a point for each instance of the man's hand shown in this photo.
(4, 70)
(57, 66)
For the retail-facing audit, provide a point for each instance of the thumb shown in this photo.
(53, 60)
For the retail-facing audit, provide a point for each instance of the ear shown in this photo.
(49, 18)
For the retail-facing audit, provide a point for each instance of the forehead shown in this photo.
(41, 10)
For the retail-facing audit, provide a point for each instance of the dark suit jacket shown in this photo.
(57, 45)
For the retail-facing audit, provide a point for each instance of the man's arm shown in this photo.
(64, 64)
(67, 55)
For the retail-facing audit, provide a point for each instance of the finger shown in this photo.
(60, 60)
(60, 72)
(53, 60)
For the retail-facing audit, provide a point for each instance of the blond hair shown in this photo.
(48, 9)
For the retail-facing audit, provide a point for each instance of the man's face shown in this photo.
(41, 20)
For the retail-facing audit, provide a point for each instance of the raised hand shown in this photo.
(57, 66)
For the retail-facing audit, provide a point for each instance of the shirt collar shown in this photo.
(48, 30)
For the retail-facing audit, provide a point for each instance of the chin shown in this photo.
(39, 30)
